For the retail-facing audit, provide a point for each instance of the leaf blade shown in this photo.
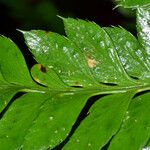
(135, 130)
(134, 3)
(58, 120)
(131, 54)
(143, 28)
(52, 50)
(99, 126)
(12, 64)
(99, 50)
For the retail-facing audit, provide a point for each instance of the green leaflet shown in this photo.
(47, 77)
(100, 125)
(12, 64)
(132, 55)
(55, 121)
(90, 61)
(39, 120)
(6, 93)
(99, 51)
(133, 3)
(14, 75)
(143, 27)
(135, 130)
(60, 54)
(81, 33)
(15, 123)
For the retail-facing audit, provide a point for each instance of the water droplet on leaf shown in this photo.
(56, 131)
(51, 118)
(63, 129)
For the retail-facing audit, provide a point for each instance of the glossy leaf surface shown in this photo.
(44, 124)
(88, 90)
(135, 130)
(143, 27)
(13, 67)
(60, 54)
(132, 55)
(98, 49)
(100, 125)
(134, 3)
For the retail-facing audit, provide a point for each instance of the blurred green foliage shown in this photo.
(42, 14)
(34, 14)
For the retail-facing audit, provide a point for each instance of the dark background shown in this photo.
(42, 14)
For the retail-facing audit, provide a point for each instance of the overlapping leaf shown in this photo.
(12, 64)
(133, 3)
(90, 61)
(136, 122)
(100, 125)
(133, 57)
(99, 51)
(14, 74)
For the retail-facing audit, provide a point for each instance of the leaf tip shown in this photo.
(63, 18)
(19, 30)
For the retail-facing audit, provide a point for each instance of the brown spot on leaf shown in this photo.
(42, 68)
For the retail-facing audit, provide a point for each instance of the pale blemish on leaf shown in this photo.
(91, 62)
(39, 66)
(5, 102)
